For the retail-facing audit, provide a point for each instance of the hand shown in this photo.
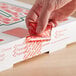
(44, 10)
(64, 12)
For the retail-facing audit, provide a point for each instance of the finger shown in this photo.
(33, 14)
(43, 18)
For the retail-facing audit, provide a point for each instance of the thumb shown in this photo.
(43, 18)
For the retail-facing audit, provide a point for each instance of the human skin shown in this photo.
(45, 10)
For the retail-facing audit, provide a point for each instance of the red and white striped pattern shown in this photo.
(45, 36)
(33, 49)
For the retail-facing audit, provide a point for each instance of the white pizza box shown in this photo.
(16, 46)
(59, 39)
(63, 34)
